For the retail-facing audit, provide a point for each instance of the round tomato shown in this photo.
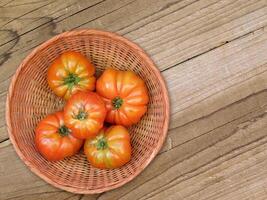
(125, 95)
(54, 140)
(84, 114)
(110, 149)
(69, 73)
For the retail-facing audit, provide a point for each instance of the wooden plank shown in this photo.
(4, 2)
(23, 17)
(198, 28)
(218, 22)
(10, 13)
(18, 182)
(241, 177)
(60, 195)
(218, 18)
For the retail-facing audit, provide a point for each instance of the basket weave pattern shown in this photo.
(30, 100)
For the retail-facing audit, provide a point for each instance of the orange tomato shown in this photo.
(125, 95)
(84, 114)
(110, 149)
(54, 140)
(69, 73)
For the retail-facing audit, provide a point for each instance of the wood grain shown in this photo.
(212, 54)
(17, 182)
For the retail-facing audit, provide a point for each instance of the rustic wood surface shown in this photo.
(213, 56)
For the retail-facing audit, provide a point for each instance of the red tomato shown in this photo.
(69, 73)
(110, 149)
(125, 95)
(54, 140)
(84, 114)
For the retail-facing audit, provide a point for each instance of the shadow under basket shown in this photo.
(30, 100)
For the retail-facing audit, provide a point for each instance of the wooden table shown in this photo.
(213, 56)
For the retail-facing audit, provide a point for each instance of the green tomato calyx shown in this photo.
(117, 102)
(63, 131)
(101, 144)
(71, 80)
(82, 115)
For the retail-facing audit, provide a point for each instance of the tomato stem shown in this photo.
(81, 115)
(102, 144)
(63, 131)
(71, 80)
(117, 102)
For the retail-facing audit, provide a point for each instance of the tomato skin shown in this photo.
(69, 73)
(110, 149)
(125, 95)
(84, 114)
(52, 144)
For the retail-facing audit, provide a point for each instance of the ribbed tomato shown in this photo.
(125, 95)
(84, 114)
(69, 73)
(54, 140)
(110, 149)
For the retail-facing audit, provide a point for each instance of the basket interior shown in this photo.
(31, 100)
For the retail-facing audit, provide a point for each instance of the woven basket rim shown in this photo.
(81, 32)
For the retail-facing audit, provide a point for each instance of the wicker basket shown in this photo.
(30, 100)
